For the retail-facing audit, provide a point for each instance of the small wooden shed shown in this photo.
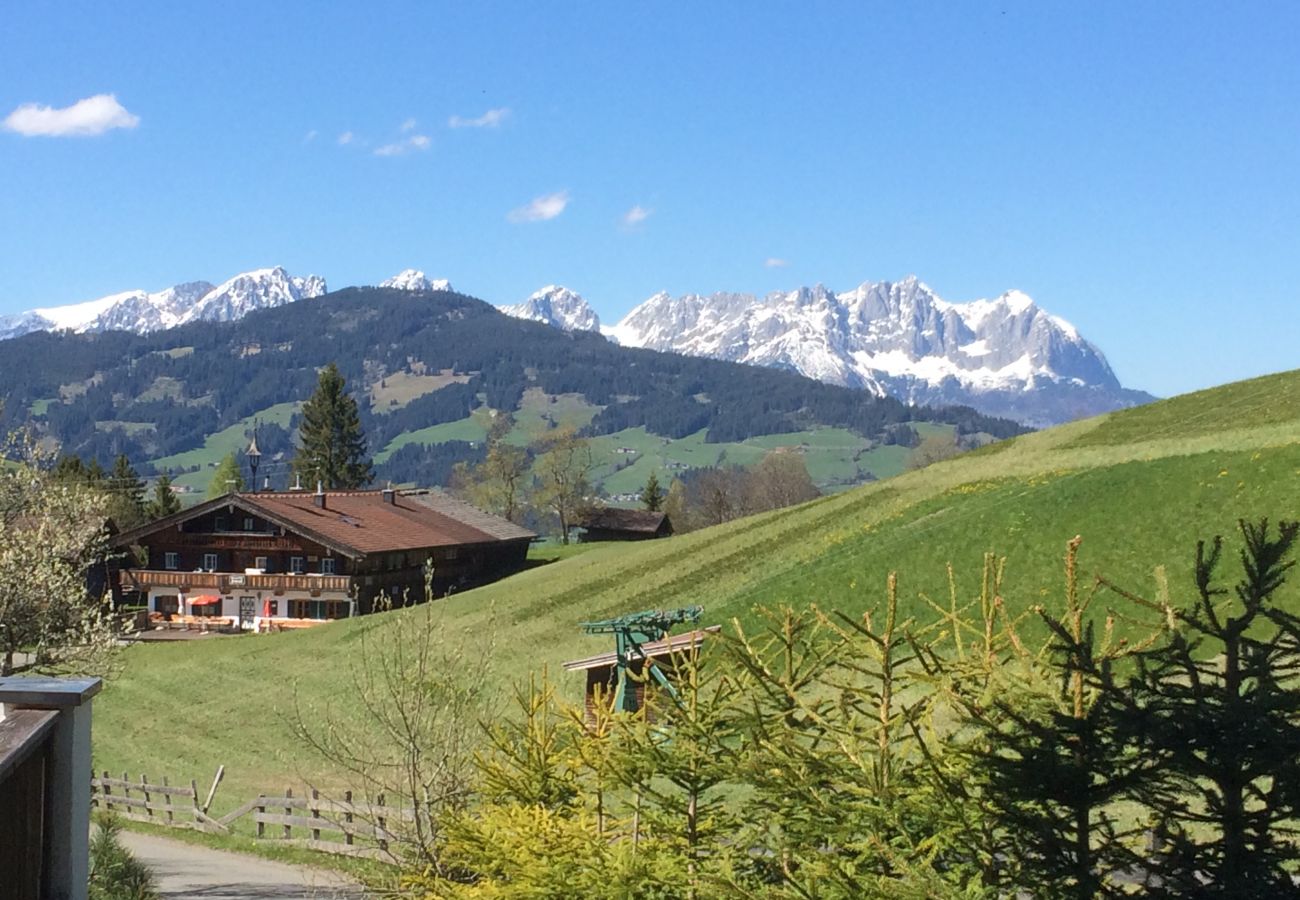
(614, 524)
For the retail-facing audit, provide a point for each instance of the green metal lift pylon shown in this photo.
(631, 633)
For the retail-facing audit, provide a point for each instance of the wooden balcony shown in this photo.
(231, 582)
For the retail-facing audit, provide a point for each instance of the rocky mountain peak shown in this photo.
(1004, 356)
(193, 301)
(558, 306)
(415, 280)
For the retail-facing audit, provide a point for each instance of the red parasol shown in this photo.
(266, 609)
(205, 600)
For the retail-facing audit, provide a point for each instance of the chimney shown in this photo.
(390, 496)
(266, 483)
(319, 499)
(297, 482)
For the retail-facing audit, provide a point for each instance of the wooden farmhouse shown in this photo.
(614, 524)
(285, 558)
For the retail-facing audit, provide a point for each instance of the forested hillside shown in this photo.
(417, 362)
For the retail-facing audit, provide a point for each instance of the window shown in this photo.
(248, 523)
(171, 560)
(274, 607)
(327, 566)
(318, 609)
(451, 553)
(210, 561)
(295, 565)
(259, 562)
(219, 523)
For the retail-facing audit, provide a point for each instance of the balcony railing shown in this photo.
(230, 582)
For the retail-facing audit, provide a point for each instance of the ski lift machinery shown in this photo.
(631, 633)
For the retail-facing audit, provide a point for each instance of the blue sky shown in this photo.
(1133, 167)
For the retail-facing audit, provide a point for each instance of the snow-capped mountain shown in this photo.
(415, 280)
(196, 301)
(1004, 356)
(558, 306)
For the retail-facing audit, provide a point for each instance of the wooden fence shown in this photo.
(377, 825)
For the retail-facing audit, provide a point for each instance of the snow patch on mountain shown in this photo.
(556, 306)
(415, 280)
(196, 301)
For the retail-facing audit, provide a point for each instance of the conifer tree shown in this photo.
(1052, 760)
(164, 502)
(126, 494)
(1219, 705)
(69, 467)
(333, 446)
(652, 495)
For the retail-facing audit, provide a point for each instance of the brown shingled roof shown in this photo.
(367, 522)
(440, 501)
(612, 518)
(356, 523)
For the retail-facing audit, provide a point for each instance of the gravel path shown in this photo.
(187, 870)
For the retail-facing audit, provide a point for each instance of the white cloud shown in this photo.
(775, 262)
(85, 118)
(636, 215)
(310, 136)
(346, 138)
(490, 119)
(405, 145)
(408, 125)
(540, 209)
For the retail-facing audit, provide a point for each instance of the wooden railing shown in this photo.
(230, 582)
(24, 748)
(44, 777)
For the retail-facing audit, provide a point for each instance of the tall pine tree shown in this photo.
(333, 446)
(164, 502)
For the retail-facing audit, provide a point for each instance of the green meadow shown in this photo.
(1140, 487)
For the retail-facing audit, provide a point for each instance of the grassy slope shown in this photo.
(1140, 486)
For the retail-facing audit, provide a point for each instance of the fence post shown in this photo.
(261, 826)
(288, 811)
(106, 794)
(382, 822)
(315, 813)
(144, 788)
(67, 773)
(167, 800)
(347, 818)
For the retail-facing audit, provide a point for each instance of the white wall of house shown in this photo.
(229, 606)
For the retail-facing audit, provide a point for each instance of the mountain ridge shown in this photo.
(1005, 356)
(144, 312)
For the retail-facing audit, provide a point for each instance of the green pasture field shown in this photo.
(1140, 487)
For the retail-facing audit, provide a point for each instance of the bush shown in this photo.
(114, 873)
